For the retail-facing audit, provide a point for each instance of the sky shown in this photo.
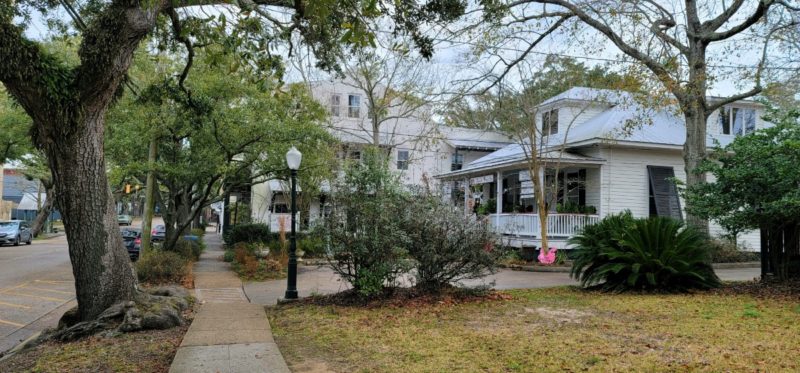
(454, 60)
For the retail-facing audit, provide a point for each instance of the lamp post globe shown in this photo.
(293, 159)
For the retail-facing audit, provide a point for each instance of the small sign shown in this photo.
(481, 180)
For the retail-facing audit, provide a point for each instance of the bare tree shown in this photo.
(674, 41)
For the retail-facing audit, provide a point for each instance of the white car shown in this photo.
(14, 232)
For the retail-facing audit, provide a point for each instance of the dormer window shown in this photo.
(550, 122)
(336, 103)
(736, 120)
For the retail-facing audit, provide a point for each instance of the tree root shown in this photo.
(158, 308)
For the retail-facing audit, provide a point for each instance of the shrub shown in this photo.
(190, 248)
(228, 256)
(621, 253)
(312, 245)
(158, 267)
(255, 232)
(365, 228)
(447, 245)
(199, 232)
(724, 251)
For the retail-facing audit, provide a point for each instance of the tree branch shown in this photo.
(763, 5)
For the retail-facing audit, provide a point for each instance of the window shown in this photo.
(663, 193)
(355, 155)
(737, 121)
(336, 102)
(456, 162)
(354, 106)
(402, 159)
(550, 122)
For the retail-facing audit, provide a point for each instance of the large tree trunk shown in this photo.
(100, 263)
(694, 152)
(694, 104)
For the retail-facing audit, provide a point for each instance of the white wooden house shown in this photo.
(419, 148)
(613, 154)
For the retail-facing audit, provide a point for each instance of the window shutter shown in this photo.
(664, 191)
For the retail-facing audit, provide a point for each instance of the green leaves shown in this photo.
(756, 179)
(622, 253)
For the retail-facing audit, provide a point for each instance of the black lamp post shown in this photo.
(293, 158)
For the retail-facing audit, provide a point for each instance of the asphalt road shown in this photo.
(36, 287)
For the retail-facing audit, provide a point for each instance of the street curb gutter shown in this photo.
(21, 346)
(562, 269)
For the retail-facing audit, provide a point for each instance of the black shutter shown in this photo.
(664, 191)
(582, 187)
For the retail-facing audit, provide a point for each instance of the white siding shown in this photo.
(576, 114)
(625, 184)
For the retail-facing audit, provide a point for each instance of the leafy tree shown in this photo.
(675, 42)
(15, 140)
(68, 99)
(231, 126)
(755, 184)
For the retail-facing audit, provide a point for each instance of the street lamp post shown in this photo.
(293, 158)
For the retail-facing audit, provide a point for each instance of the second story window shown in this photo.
(336, 103)
(354, 106)
(402, 159)
(737, 121)
(456, 162)
(550, 122)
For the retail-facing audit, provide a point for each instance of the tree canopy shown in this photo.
(756, 179)
(232, 125)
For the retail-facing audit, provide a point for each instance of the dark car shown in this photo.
(132, 238)
(159, 233)
(15, 232)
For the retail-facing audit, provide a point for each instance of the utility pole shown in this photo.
(150, 196)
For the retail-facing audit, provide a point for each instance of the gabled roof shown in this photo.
(589, 94)
(631, 123)
(622, 121)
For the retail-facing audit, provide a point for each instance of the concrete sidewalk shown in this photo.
(322, 280)
(228, 333)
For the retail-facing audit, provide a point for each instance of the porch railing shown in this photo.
(527, 225)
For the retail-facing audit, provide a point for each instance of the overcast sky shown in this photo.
(450, 62)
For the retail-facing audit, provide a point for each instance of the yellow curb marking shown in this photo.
(11, 323)
(13, 287)
(14, 305)
(55, 282)
(39, 297)
(51, 290)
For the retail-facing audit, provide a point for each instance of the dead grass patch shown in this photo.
(146, 351)
(560, 329)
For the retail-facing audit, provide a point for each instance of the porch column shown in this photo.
(466, 196)
(499, 199)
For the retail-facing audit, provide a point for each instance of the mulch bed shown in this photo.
(789, 290)
(406, 297)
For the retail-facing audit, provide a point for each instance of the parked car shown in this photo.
(159, 233)
(14, 232)
(124, 220)
(132, 238)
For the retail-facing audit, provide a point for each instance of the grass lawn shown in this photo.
(560, 329)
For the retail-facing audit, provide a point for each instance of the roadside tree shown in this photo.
(68, 100)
